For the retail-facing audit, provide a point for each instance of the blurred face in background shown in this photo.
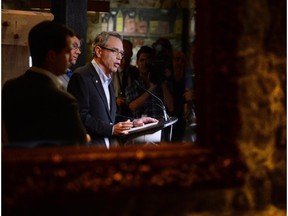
(128, 50)
(142, 63)
(178, 64)
(76, 50)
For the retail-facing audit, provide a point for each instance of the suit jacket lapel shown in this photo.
(98, 85)
(112, 101)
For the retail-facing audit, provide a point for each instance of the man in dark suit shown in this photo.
(92, 86)
(36, 111)
(75, 52)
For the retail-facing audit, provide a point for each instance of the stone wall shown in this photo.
(241, 67)
(262, 96)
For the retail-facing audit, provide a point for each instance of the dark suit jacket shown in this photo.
(86, 86)
(36, 110)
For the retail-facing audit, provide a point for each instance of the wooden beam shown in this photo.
(98, 6)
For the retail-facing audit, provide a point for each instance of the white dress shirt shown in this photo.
(105, 80)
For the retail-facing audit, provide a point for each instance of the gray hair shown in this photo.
(102, 38)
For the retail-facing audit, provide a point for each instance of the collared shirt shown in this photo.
(105, 80)
(54, 78)
(150, 107)
(118, 82)
(69, 72)
(65, 78)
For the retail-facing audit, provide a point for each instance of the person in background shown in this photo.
(190, 116)
(164, 67)
(164, 55)
(140, 101)
(162, 71)
(123, 78)
(35, 109)
(93, 87)
(179, 66)
(75, 52)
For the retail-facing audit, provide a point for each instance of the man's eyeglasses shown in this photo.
(75, 47)
(114, 51)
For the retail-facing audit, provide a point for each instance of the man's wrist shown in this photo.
(134, 121)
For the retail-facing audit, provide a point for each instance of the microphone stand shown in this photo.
(166, 117)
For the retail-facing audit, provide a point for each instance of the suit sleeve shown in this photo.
(79, 87)
(73, 124)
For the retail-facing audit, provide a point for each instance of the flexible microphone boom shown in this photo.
(161, 104)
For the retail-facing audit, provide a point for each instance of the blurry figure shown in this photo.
(124, 77)
(161, 71)
(75, 52)
(189, 97)
(179, 64)
(140, 102)
(162, 62)
(36, 111)
(173, 68)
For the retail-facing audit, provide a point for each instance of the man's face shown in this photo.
(61, 60)
(126, 60)
(75, 51)
(110, 56)
(143, 64)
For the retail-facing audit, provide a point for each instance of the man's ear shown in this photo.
(51, 56)
(98, 51)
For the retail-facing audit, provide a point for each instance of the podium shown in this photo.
(152, 133)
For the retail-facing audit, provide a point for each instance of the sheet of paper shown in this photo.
(141, 127)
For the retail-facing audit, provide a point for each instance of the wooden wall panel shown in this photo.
(16, 25)
(15, 61)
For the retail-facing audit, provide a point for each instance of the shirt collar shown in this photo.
(103, 77)
(47, 73)
(69, 72)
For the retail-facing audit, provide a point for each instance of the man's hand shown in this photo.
(120, 101)
(143, 120)
(122, 127)
(88, 138)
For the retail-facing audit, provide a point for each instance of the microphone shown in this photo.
(160, 102)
